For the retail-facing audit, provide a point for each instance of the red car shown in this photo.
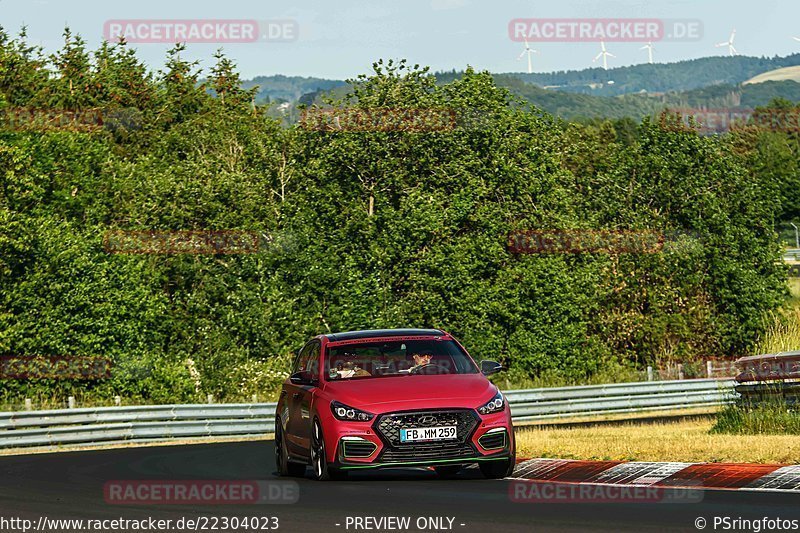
(391, 398)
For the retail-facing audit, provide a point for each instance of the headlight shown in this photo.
(494, 405)
(345, 412)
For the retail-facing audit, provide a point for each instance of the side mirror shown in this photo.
(300, 378)
(490, 367)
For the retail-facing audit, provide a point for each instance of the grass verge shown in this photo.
(771, 417)
(688, 440)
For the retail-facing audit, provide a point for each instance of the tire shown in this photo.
(447, 471)
(497, 469)
(282, 463)
(319, 464)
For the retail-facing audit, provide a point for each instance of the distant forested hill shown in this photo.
(572, 106)
(660, 77)
(712, 82)
(288, 88)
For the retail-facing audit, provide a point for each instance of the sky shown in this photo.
(340, 39)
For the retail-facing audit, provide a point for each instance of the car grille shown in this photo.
(388, 427)
(425, 452)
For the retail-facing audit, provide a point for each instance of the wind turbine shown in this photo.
(528, 50)
(796, 38)
(605, 54)
(729, 43)
(649, 48)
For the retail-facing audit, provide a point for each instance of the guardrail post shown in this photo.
(28, 404)
(117, 401)
(709, 369)
(71, 402)
(649, 373)
(255, 398)
(680, 371)
(210, 398)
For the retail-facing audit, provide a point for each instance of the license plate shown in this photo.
(432, 433)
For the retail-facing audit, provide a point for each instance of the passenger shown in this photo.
(351, 370)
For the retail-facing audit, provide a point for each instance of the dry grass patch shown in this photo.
(685, 440)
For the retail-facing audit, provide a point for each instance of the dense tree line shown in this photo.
(362, 229)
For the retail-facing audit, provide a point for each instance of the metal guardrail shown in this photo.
(770, 393)
(542, 404)
(103, 424)
(791, 254)
(99, 425)
(770, 379)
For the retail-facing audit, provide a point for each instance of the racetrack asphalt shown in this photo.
(71, 486)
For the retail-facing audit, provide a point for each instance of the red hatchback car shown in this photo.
(391, 398)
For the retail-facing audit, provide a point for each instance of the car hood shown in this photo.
(380, 395)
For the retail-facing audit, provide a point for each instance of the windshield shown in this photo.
(398, 358)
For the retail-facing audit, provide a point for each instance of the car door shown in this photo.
(305, 397)
(284, 411)
(298, 400)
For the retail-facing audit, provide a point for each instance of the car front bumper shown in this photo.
(353, 445)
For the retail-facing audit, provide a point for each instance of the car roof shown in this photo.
(369, 333)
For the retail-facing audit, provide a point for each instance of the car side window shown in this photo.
(308, 360)
(301, 360)
(313, 360)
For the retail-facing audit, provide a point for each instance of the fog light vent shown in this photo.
(357, 447)
(493, 440)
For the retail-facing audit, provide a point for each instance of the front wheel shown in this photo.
(497, 469)
(319, 461)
